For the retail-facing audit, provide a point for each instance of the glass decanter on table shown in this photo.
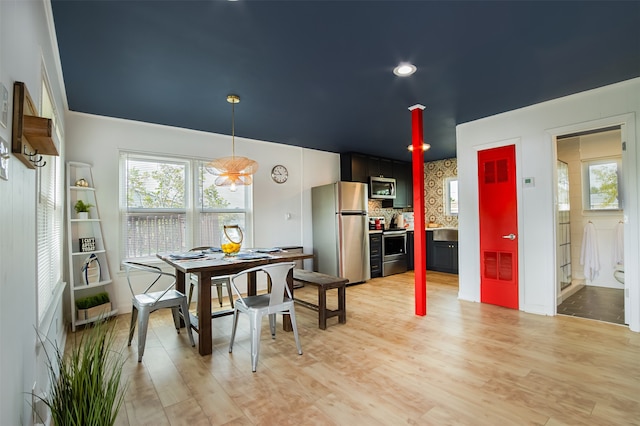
(231, 240)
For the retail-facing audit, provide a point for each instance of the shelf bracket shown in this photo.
(30, 135)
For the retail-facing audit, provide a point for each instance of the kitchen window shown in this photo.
(451, 196)
(601, 184)
(171, 204)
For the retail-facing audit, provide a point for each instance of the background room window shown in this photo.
(159, 213)
(451, 196)
(602, 184)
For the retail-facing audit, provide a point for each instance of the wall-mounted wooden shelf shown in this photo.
(30, 135)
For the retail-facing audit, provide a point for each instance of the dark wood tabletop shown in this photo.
(208, 267)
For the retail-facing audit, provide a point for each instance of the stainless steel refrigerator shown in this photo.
(341, 230)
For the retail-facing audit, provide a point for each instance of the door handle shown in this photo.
(509, 237)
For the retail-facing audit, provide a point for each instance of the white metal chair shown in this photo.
(218, 282)
(149, 301)
(278, 301)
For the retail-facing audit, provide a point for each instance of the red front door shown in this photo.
(498, 226)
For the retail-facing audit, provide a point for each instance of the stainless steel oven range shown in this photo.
(394, 252)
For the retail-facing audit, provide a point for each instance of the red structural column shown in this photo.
(419, 236)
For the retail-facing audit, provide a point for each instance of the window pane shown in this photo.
(211, 226)
(158, 214)
(155, 211)
(563, 186)
(451, 196)
(603, 186)
(219, 197)
(49, 214)
(147, 234)
(154, 184)
(219, 206)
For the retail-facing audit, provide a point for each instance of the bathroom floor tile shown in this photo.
(599, 303)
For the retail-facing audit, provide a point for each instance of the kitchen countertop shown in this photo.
(433, 229)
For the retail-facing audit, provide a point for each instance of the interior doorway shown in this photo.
(590, 225)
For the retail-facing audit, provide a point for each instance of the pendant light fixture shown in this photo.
(232, 171)
(425, 147)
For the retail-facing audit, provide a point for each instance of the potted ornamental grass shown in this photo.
(86, 386)
(93, 306)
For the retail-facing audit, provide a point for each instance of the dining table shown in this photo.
(213, 265)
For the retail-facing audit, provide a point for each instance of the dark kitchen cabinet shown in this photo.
(354, 167)
(402, 172)
(377, 166)
(410, 250)
(445, 256)
(373, 166)
(442, 256)
(375, 254)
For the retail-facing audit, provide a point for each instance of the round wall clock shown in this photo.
(279, 174)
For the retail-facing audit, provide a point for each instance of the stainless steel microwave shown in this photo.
(382, 188)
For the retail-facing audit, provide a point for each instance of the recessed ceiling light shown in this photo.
(404, 70)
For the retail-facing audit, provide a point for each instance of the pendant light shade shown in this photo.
(232, 171)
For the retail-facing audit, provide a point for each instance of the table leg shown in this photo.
(180, 286)
(286, 319)
(252, 286)
(342, 304)
(322, 308)
(205, 339)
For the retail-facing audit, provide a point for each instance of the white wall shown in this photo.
(97, 140)
(25, 45)
(532, 130)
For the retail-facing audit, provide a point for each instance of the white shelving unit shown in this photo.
(78, 228)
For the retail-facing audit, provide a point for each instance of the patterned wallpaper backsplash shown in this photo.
(375, 209)
(435, 172)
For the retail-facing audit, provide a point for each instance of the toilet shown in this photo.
(618, 273)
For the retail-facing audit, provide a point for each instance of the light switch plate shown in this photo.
(4, 159)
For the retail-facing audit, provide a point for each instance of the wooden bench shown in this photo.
(324, 282)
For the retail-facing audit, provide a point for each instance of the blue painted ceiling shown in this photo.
(318, 74)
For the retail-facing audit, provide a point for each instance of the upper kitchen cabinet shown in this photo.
(354, 167)
(402, 172)
(382, 167)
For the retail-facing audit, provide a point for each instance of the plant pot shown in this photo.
(83, 215)
(96, 311)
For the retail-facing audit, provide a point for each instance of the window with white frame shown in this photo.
(601, 184)
(49, 214)
(451, 196)
(171, 204)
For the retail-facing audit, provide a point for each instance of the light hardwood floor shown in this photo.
(463, 364)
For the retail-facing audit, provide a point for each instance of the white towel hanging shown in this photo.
(589, 255)
(618, 245)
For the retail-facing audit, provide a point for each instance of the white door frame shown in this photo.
(630, 206)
